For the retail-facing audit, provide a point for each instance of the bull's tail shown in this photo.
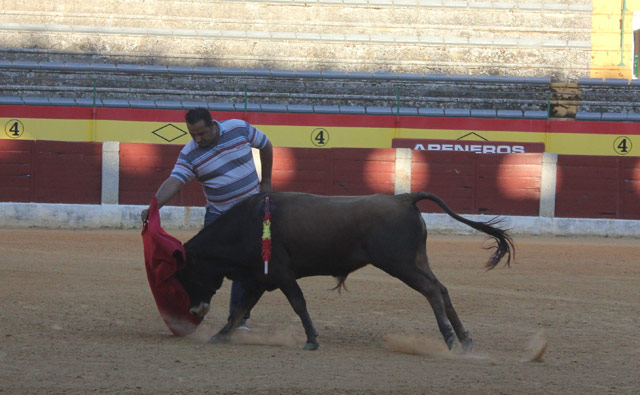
(504, 243)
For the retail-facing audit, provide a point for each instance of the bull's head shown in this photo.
(199, 281)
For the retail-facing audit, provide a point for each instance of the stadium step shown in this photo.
(455, 37)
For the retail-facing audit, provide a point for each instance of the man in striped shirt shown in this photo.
(219, 156)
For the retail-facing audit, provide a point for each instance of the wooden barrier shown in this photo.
(336, 171)
(479, 184)
(16, 158)
(586, 187)
(143, 168)
(50, 171)
(598, 187)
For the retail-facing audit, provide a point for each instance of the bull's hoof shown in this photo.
(467, 345)
(218, 339)
(311, 346)
(450, 340)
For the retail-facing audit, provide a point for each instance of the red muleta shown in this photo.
(171, 298)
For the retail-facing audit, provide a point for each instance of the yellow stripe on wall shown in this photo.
(50, 129)
(303, 136)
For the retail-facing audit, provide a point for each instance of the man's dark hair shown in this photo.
(198, 114)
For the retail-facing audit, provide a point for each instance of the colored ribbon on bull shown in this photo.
(266, 235)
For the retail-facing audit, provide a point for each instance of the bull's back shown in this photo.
(315, 212)
(342, 227)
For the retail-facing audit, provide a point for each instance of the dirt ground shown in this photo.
(77, 316)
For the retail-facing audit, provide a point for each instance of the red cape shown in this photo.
(171, 298)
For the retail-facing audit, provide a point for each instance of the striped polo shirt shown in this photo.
(226, 170)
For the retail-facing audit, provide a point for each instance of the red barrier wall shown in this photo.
(336, 171)
(143, 168)
(363, 171)
(16, 158)
(50, 172)
(479, 184)
(587, 186)
(301, 170)
(598, 187)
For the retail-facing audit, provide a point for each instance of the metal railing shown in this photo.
(306, 91)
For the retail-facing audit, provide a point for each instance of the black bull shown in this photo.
(323, 235)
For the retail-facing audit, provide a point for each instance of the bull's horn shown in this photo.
(200, 310)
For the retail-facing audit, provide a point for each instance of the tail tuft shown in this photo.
(503, 242)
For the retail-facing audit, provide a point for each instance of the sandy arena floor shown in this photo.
(77, 316)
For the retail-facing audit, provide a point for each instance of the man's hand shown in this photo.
(166, 192)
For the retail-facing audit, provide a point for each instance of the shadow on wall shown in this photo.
(50, 171)
(479, 184)
(144, 167)
(334, 171)
(598, 187)
(587, 186)
(469, 183)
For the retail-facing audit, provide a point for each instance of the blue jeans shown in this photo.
(237, 287)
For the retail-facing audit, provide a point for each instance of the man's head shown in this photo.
(201, 127)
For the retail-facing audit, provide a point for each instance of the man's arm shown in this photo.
(266, 163)
(165, 193)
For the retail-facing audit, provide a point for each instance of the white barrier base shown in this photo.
(94, 216)
(81, 216)
(540, 226)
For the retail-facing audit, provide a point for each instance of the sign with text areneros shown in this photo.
(479, 147)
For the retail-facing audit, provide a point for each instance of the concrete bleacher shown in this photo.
(517, 38)
(232, 89)
(157, 86)
(614, 99)
(431, 57)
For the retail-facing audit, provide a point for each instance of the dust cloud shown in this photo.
(288, 337)
(536, 348)
(416, 344)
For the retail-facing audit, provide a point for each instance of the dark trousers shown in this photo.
(237, 287)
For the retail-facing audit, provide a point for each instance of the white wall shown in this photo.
(66, 216)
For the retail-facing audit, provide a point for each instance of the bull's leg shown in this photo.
(423, 271)
(463, 334)
(295, 297)
(425, 282)
(251, 295)
(430, 290)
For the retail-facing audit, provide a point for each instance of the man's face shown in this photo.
(205, 136)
